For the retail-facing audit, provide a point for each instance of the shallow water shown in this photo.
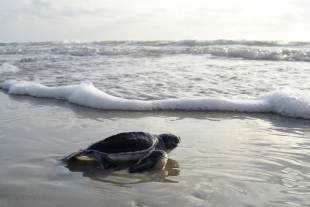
(162, 69)
(225, 158)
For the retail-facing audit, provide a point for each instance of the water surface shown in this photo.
(225, 158)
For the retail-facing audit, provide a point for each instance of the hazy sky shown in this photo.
(90, 20)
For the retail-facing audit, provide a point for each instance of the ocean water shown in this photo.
(224, 75)
(242, 109)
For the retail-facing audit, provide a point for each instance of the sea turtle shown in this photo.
(147, 150)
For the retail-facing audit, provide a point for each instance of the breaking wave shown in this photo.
(252, 50)
(286, 102)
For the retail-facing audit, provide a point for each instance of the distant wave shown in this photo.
(287, 102)
(250, 50)
(189, 43)
(239, 42)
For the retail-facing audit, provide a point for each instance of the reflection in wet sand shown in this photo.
(226, 158)
(121, 178)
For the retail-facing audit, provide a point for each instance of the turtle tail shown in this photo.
(73, 155)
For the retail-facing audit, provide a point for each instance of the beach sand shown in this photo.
(224, 159)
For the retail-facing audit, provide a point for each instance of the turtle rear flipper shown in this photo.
(105, 162)
(73, 155)
(155, 160)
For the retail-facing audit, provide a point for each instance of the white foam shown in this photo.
(8, 68)
(287, 102)
(259, 54)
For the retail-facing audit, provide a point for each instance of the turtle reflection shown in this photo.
(122, 178)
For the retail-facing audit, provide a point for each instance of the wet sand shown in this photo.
(224, 159)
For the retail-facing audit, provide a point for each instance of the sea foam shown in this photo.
(286, 102)
(8, 68)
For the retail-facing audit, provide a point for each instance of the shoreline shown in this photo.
(286, 102)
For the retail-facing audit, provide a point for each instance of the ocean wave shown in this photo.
(249, 50)
(240, 42)
(286, 102)
(187, 43)
(258, 53)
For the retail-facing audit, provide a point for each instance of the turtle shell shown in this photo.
(125, 146)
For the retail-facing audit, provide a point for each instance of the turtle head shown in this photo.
(169, 141)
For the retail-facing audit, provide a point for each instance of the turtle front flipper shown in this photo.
(73, 155)
(155, 160)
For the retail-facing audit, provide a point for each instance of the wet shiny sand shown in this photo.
(224, 159)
